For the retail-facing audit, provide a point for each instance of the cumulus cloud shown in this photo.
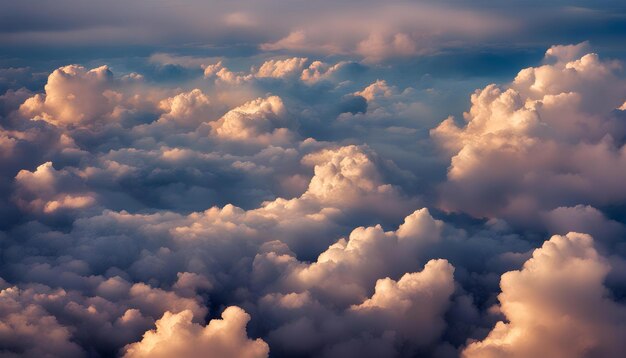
(294, 189)
(405, 313)
(282, 68)
(43, 190)
(75, 96)
(557, 306)
(223, 74)
(414, 304)
(187, 109)
(263, 120)
(285, 69)
(177, 335)
(58, 320)
(346, 271)
(318, 71)
(551, 138)
(380, 88)
(26, 330)
(346, 175)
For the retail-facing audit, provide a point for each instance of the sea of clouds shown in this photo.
(300, 208)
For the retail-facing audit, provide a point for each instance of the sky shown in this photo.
(290, 178)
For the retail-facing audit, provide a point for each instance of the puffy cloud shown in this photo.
(91, 109)
(346, 271)
(352, 176)
(74, 96)
(47, 190)
(380, 88)
(103, 315)
(388, 107)
(273, 189)
(557, 306)
(552, 138)
(177, 335)
(405, 313)
(318, 71)
(282, 68)
(347, 183)
(289, 70)
(567, 52)
(187, 109)
(414, 305)
(27, 330)
(264, 120)
(223, 74)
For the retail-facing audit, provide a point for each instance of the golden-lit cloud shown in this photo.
(177, 335)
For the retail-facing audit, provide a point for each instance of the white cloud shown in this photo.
(552, 138)
(49, 190)
(557, 306)
(414, 305)
(318, 71)
(224, 75)
(74, 96)
(282, 68)
(346, 271)
(264, 120)
(348, 176)
(177, 336)
(380, 88)
(187, 109)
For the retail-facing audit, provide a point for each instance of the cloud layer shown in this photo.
(314, 207)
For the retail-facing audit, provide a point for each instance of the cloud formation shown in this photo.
(177, 335)
(553, 137)
(557, 306)
(305, 200)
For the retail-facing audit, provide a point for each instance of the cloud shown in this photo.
(345, 176)
(379, 33)
(587, 219)
(42, 320)
(282, 68)
(346, 271)
(263, 120)
(413, 305)
(287, 70)
(540, 142)
(297, 190)
(74, 96)
(557, 306)
(187, 109)
(223, 74)
(378, 47)
(29, 331)
(405, 313)
(318, 71)
(42, 191)
(237, 28)
(380, 88)
(177, 335)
